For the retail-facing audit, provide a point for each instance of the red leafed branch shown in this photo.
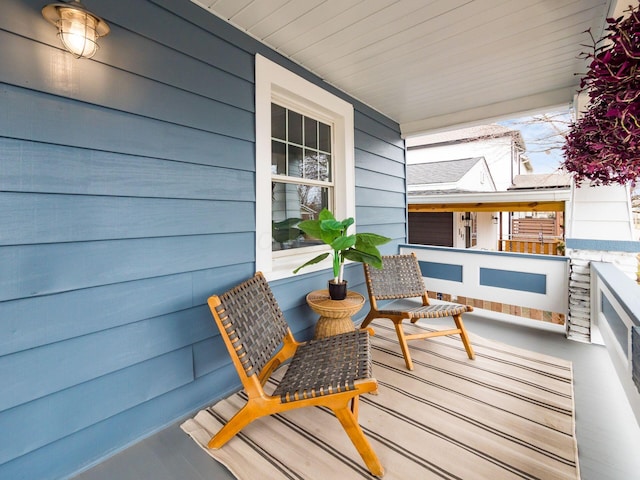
(603, 146)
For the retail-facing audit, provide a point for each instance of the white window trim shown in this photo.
(274, 82)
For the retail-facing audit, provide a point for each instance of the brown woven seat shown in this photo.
(400, 278)
(330, 372)
(328, 365)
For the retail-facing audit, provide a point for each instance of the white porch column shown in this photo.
(599, 228)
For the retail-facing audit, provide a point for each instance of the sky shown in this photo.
(542, 134)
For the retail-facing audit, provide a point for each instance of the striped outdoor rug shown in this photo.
(507, 414)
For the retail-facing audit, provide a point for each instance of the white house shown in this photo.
(438, 179)
(485, 158)
(502, 148)
(464, 175)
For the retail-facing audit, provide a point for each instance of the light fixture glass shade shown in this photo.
(78, 29)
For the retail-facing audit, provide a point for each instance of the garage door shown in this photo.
(431, 228)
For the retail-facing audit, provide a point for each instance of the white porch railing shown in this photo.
(527, 280)
(615, 311)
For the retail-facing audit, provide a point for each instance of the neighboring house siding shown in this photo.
(126, 199)
(477, 179)
(498, 153)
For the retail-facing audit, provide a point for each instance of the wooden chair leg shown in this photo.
(463, 335)
(240, 420)
(368, 319)
(350, 424)
(355, 405)
(403, 344)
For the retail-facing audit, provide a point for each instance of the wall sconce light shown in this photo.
(494, 219)
(466, 219)
(78, 28)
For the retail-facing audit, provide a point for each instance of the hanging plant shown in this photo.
(603, 146)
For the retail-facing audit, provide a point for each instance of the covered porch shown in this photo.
(607, 435)
(133, 185)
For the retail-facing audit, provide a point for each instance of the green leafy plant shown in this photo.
(359, 247)
(286, 230)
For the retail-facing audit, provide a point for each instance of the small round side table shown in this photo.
(335, 315)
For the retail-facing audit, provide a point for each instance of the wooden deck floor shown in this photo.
(608, 434)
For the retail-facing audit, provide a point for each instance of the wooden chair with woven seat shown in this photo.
(400, 278)
(330, 372)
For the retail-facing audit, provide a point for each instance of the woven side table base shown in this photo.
(335, 315)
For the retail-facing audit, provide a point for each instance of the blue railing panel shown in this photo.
(616, 313)
(527, 280)
(512, 280)
(442, 271)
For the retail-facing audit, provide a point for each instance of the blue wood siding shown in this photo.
(127, 197)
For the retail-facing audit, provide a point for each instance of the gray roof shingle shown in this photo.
(448, 171)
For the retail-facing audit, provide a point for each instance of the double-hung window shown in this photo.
(304, 163)
(301, 174)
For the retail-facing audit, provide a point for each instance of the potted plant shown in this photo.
(359, 247)
(603, 146)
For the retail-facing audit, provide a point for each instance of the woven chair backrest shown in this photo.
(399, 277)
(253, 321)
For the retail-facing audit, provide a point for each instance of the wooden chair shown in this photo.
(400, 278)
(330, 372)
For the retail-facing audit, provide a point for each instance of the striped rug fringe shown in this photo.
(508, 414)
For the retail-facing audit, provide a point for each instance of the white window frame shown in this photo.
(275, 83)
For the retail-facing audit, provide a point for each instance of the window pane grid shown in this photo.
(299, 133)
(301, 174)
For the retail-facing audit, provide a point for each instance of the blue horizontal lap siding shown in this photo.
(368, 142)
(55, 367)
(386, 135)
(380, 183)
(42, 421)
(54, 460)
(43, 218)
(127, 199)
(46, 168)
(228, 50)
(512, 280)
(32, 270)
(27, 322)
(120, 132)
(108, 224)
(22, 326)
(371, 197)
(179, 104)
(378, 163)
(210, 355)
(369, 179)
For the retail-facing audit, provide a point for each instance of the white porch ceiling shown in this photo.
(431, 64)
